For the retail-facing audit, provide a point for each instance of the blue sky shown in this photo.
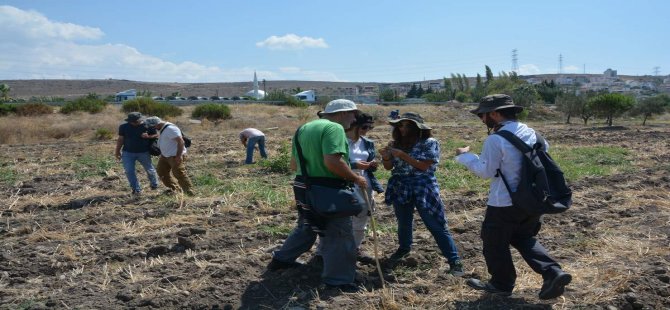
(361, 41)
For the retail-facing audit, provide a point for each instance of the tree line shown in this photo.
(567, 99)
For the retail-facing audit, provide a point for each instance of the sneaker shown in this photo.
(456, 269)
(487, 287)
(399, 254)
(345, 288)
(556, 286)
(275, 265)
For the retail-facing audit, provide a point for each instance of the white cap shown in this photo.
(339, 105)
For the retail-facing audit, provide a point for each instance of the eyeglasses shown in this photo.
(367, 127)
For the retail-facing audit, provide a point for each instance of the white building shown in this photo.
(125, 95)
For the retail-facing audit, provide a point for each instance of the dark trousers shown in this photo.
(507, 226)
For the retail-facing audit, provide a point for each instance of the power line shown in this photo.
(515, 62)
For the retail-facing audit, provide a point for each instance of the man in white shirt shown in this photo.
(173, 154)
(504, 224)
(249, 138)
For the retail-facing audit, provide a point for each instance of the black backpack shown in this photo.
(542, 188)
(156, 151)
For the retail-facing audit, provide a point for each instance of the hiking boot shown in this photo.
(136, 194)
(345, 288)
(153, 188)
(487, 287)
(275, 265)
(556, 286)
(399, 254)
(456, 269)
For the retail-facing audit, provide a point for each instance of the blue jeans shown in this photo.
(405, 217)
(129, 159)
(251, 143)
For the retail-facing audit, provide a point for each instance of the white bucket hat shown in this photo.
(338, 105)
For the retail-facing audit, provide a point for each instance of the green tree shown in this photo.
(448, 89)
(412, 92)
(387, 95)
(489, 75)
(570, 104)
(480, 89)
(647, 107)
(524, 95)
(610, 106)
(4, 90)
(420, 91)
(548, 91)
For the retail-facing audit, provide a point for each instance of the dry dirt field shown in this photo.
(73, 237)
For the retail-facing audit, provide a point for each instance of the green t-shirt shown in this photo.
(317, 138)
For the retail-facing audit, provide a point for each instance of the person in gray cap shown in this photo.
(326, 154)
(503, 224)
(173, 156)
(132, 146)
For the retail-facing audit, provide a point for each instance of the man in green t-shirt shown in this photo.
(326, 151)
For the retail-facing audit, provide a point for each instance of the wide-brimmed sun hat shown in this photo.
(338, 105)
(133, 117)
(152, 121)
(496, 102)
(411, 116)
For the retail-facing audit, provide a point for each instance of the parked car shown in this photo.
(157, 98)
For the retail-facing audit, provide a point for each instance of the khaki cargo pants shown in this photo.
(169, 164)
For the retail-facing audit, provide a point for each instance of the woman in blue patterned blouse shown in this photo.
(413, 155)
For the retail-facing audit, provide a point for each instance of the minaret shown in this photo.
(255, 86)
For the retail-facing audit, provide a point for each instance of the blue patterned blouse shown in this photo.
(409, 185)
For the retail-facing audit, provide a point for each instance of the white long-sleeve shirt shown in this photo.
(498, 153)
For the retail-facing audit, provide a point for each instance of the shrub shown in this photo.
(86, 104)
(33, 109)
(287, 99)
(6, 108)
(103, 134)
(280, 163)
(211, 112)
(148, 106)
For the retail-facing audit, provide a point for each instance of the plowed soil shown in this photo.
(73, 237)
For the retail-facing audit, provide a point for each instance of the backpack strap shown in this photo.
(516, 141)
(301, 157)
(519, 144)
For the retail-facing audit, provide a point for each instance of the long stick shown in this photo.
(374, 236)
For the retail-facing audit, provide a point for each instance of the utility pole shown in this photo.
(560, 63)
(657, 70)
(515, 61)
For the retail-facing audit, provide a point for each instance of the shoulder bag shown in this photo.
(328, 200)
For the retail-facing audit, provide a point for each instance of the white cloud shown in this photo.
(571, 69)
(529, 69)
(292, 42)
(34, 47)
(30, 26)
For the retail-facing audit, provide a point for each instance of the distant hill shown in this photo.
(69, 89)
(77, 88)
